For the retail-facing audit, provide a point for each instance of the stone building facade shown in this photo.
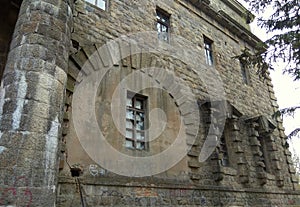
(136, 103)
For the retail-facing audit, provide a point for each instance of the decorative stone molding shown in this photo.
(227, 21)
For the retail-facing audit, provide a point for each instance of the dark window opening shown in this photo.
(163, 25)
(135, 121)
(224, 151)
(208, 51)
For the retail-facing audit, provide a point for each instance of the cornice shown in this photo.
(226, 20)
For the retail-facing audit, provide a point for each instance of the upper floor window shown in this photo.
(135, 121)
(245, 73)
(208, 51)
(102, 4)
(163, 25)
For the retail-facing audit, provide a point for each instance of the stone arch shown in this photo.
(137, 59)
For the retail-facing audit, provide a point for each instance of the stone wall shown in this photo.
(38, 86)
(112, 193)
(244, 182)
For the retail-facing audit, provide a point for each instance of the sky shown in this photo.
(286, 90)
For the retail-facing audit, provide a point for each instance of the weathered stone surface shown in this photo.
(34, 83)
(35, 121)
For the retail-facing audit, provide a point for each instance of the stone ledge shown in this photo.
(170, 185)
(222, 18)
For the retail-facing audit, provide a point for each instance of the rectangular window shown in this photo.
(208, 51)
(163, 25)
(102, 4)
(135, 121)
(245, 74)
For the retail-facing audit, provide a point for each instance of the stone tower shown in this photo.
(32, 97)
(136, 103)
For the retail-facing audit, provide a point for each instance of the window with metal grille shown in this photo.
(102, 4)
(208, 51)
(163, 25)
(135, 121)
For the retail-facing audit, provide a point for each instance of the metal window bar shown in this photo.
(135, 122)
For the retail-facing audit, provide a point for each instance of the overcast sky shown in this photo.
(286, 90)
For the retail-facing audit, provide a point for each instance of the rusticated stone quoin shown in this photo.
(33, 88)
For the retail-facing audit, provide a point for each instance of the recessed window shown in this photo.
(223, 151)
(102, 4)
(135, 121)
(163, 25)
(264, 157)
(245, 73)
(208, 51)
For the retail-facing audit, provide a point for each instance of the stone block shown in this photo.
(118, 51)
(160, 75)
(254, 141)
(244, 179)
(239, 149)
(135, 55)
(240, 161)
(254, 133)
(176, 91)
(289, 160)
(292, 169)
(145, 59)
(294, 178)
(193, 163)
(186, 108)
(150, 71)
(191, 119)
(169, 81)
(193, 153)
(274, 157)
(287, 152)
(195, 176)
(277, 165)
(105, 56)
(192, 130)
